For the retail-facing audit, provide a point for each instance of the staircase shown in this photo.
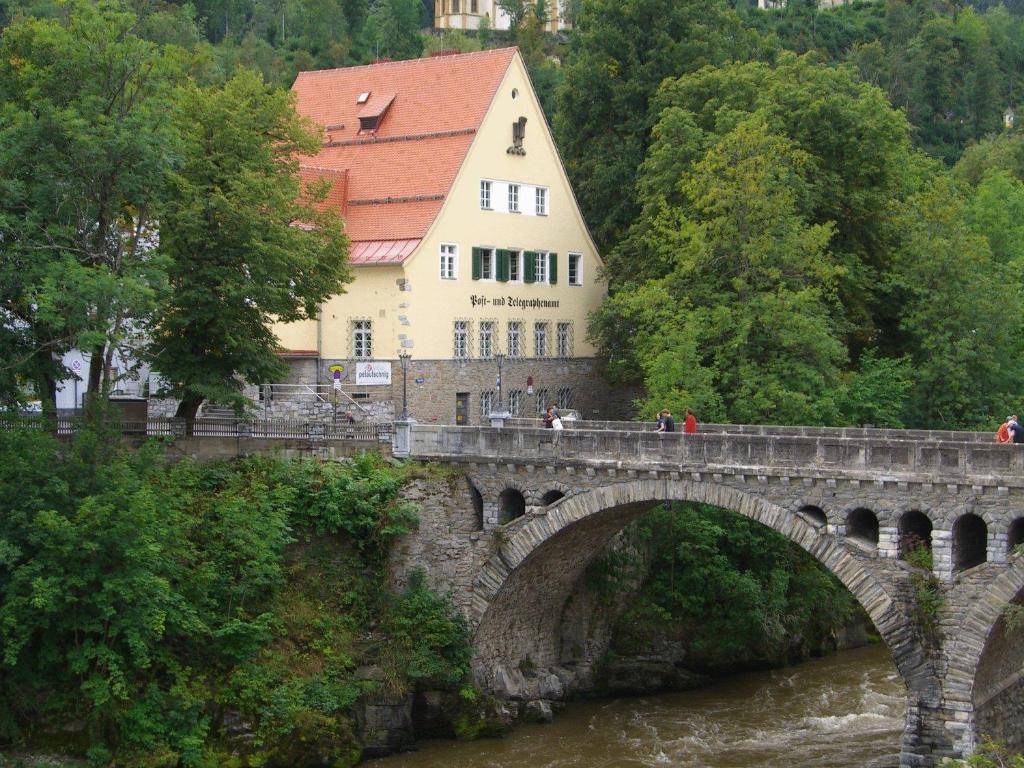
(217, 412)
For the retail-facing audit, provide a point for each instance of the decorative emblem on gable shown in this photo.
(518, 133)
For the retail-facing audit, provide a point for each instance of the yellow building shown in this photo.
(469, 14)
(467, 242)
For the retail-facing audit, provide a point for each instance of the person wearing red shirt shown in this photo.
(690, 425)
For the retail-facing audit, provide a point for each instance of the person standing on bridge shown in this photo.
(665, 421)
(690, 425)
(1016, 430)
(1003, 433)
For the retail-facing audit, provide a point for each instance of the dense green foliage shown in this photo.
(140, 205)
(155, 607)
(734, 591)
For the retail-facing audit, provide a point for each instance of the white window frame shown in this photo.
(515, 402)
(540, 201)
(540, 338)
(487, 328)
(541, 271)
(563, 340)
(513, 198)
(449, 261)
(486, 201)
(515, 350)
(488, 264)
(362, 339)
(460, 339)
(542, 401)
(575, 276)
(564, 398)
(515, 261)
(486, 403)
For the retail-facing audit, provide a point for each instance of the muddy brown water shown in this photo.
(843, 711)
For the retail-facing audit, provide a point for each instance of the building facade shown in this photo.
(469, 14)
(467, 244)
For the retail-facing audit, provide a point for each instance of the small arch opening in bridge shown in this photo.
(511, 504)
(862, 527)
(915, 532)
(815, 515)
(551, 497)
(1015, 536)
(970, 542)
(478, 504)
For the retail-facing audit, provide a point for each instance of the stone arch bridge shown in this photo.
(544, 503)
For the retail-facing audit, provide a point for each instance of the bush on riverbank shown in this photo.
(202, 615)
(728, 592)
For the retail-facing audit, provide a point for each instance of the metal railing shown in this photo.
(266, 429)
(321, 393)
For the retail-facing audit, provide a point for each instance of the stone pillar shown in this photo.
(888, 542)
(942, 554)
(492, 515)
(997, 547)
(498, 418)
(401, 444)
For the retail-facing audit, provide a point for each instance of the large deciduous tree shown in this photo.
(246, 244)
(621, 52)
(83, 143)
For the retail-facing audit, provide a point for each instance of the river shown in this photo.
(842, 711)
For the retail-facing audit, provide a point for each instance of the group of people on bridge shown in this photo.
(1010, 431)
(665, 422)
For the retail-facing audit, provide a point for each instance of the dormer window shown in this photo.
(373, 111)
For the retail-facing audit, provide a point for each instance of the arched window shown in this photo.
(915, 532)
(511, 505)
(551, 497)
(970, 542)
(814, 514)
(862, 525)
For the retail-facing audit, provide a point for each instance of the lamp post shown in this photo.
(403, 358)
(501, 359)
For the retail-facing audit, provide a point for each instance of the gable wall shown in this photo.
(434, 304)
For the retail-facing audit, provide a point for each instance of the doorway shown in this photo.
(461, 409)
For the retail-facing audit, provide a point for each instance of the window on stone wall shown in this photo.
(515, 338)
(487, 403)
(362, 339)
(515, 402)
(540, 339)
(564, 398)
(487, 338)
(460, 349)
(563, 340)
(542, 401)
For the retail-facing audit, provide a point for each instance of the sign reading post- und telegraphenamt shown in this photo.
(373, 373)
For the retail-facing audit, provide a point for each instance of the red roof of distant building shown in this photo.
(397, 175)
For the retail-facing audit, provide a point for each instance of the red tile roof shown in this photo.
(397, 176)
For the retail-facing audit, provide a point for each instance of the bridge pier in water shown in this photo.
(537, 507)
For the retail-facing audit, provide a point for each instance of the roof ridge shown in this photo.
(446, 57)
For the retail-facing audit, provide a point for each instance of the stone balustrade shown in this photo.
(846, 453)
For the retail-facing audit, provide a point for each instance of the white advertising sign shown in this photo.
(373, 373)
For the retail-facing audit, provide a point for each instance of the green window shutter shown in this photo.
(502, 266)
(552, 268)
(477, 259)
(529, 266)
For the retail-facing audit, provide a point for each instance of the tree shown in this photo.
(617, 59)
(83, 144)
(392, 29)
(959, 314)
(246, 245)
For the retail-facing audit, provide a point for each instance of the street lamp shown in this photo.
(501, 359)
(403, 358)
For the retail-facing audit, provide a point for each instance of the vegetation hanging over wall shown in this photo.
(155, 615)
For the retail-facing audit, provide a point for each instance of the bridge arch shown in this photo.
(522, 590)
(986, 662)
